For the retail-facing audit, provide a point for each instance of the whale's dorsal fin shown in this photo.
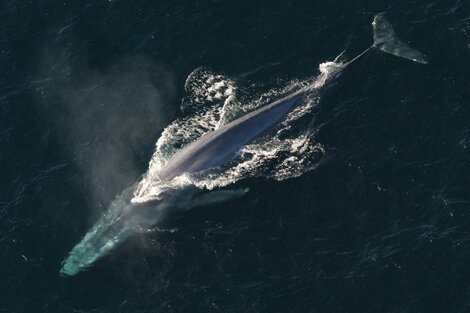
(387, 41)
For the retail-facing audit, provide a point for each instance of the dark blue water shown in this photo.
(381, 225)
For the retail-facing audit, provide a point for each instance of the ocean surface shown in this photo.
(359, 203)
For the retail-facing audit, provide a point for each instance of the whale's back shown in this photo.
(221, 145)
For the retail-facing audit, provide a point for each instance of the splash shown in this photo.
(288, 152)
(212, 99)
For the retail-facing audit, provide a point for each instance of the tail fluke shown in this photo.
(387, 41)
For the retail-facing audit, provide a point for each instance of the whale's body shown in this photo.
(209, 151)
(220, 146)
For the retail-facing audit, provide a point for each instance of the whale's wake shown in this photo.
(212, 101)
(289, 151)
(233, 147)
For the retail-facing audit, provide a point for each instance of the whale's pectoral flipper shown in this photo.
(170, 190)
(215, 197)
(387, 41)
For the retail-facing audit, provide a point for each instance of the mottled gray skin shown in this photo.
(211, 150)
(221, 145)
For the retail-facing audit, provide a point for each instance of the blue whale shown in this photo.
(214, 149)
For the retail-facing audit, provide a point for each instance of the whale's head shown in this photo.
(97, 242)
(118, 223)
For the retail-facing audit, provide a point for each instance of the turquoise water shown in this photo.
(378, 222)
